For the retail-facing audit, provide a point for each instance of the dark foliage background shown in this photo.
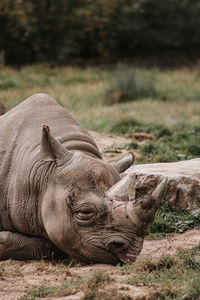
(104, 30)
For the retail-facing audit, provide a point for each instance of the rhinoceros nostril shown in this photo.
(117, 247)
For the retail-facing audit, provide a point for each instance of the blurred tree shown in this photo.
(97, 27)
(50, 24)
(104, 30)
(14, 40)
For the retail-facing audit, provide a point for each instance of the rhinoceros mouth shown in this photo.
(130, 254)
(126, 258)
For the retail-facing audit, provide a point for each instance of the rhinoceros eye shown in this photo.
(85, 214)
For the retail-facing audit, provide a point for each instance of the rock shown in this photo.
(2, 108)
(183, 191)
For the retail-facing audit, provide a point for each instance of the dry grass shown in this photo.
(176, 100)
(173, 107)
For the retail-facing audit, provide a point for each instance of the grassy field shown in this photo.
(169, 99)
(122, 101)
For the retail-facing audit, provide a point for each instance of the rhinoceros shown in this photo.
(58, 198)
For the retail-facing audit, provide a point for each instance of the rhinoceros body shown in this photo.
(58, 197)
(20, 161)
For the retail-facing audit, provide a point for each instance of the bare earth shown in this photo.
(16, 277)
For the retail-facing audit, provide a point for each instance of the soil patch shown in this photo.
(19, 277)
(104, 141)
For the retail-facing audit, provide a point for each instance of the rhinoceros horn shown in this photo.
(123, 190)
(51, 149)
(147, 209)
(141, 211)
(123, 164)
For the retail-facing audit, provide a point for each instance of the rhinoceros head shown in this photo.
(88, 211)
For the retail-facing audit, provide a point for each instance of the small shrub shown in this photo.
(190, 258)
(162, 263)
(2, 270)
(8, 84)
(162, 131)
(125, 126)
(131, 146)
(94, 282)
(131, 84)
(193, 293)
(39, 292)
(126, 268)
(161, 226)
(97, 278)
(105, 295)
(193, 149)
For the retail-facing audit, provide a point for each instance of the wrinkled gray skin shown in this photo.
(58, 198)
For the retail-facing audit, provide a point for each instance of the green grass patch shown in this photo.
(106, 294)
(118, 148)
(173, 277)
(175, 143)
(43, 76)
(97, 278)
(65, 289)
(126, 127)
(93, 285)
(169, 220)
(39, 292)
(180, 143)
(97, 287)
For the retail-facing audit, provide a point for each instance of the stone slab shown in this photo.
(183, 190)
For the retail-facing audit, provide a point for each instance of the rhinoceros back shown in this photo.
(20, 132)
(22, 126)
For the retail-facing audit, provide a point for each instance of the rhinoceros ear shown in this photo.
(50, 148)
(125, 162)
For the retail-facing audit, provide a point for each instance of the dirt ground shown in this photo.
(21, 276)
(104, 141)
(18, 277)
